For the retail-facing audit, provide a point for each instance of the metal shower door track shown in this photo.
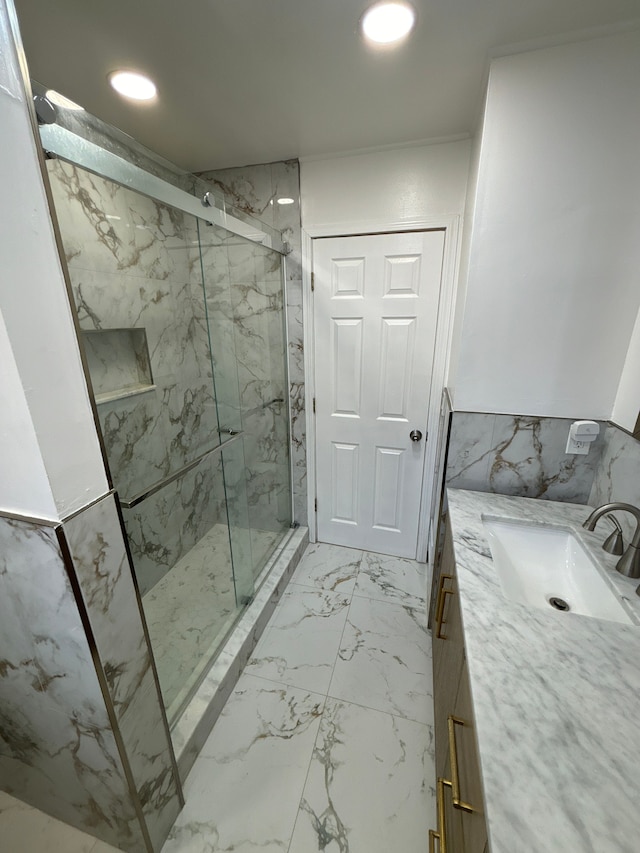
(74, 149)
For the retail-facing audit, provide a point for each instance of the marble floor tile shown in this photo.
(370, 787)
(23, 828)
(243, 792)
(301, 643)
(384, 660)
(392, 579)
(329, 567)
(287, 769)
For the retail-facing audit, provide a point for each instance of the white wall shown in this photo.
(465, 249)
(39, 332)
(627, 404)
(24, 484)
(380, 188)
(553, 287)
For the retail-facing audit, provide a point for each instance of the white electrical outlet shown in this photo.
(581, 435)
(577, 447)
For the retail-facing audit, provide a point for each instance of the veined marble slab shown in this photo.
(243, 793)
(316, 618)
(392, 579)
(256, 190)
(554, 697)
(329, 567)
(58, 751)
(384, 660)
(106, 583)
(617, 477)
(518, 455)
(24, 828)
(367, 787)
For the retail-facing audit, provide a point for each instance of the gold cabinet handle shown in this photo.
(442, 593)
(458, 802)
(432, 837)
(441, 834)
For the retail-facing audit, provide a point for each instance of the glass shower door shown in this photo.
(136, 276)
(244, 294)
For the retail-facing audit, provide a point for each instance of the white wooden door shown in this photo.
(375, 309)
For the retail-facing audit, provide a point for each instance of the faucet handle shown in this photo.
(614, 543)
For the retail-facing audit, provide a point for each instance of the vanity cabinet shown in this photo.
(461, 826)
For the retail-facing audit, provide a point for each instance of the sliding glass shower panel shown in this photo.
(193, 605)
(245, 291)
(136, 276)
(218, 308)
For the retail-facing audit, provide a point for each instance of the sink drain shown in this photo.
(558, 603)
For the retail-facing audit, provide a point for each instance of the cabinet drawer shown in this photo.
(448, 653)
(449, 821)
(465, 769)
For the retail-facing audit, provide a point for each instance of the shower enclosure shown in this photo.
(181, 312)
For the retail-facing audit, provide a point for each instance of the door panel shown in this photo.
(388, 488)
(344, 508)
(347, 350)
(375, 307)
(398, 336)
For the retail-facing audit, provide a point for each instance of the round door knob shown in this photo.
(415, 435)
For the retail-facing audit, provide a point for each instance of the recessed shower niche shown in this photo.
(118, 361)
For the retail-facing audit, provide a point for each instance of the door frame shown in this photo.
(444, 334)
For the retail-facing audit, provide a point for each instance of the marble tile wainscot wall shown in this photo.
(255, 190)
(617, 477)
(83, 735)
(519, 455)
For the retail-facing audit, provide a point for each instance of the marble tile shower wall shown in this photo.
(58, 743)
(255, 190)
(519, 455)
(244, 302)
(131, 262)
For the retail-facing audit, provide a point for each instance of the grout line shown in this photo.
(346, 621)
(324, 709)
(378, 711)
(386, 713)
(281, 685)
(308, 588)
(286, 684)
(390, 601)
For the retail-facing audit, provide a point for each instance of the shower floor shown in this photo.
(190, 610)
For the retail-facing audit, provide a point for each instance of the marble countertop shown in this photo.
(556, 696)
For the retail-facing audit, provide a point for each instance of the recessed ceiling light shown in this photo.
(286, 201)
(60, 100)
(132, 85)
(388, 22)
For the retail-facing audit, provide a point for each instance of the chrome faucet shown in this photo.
(629, 563)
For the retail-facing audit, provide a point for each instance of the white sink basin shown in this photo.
(540, 565)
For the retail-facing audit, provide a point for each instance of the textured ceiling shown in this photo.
(248, 81)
